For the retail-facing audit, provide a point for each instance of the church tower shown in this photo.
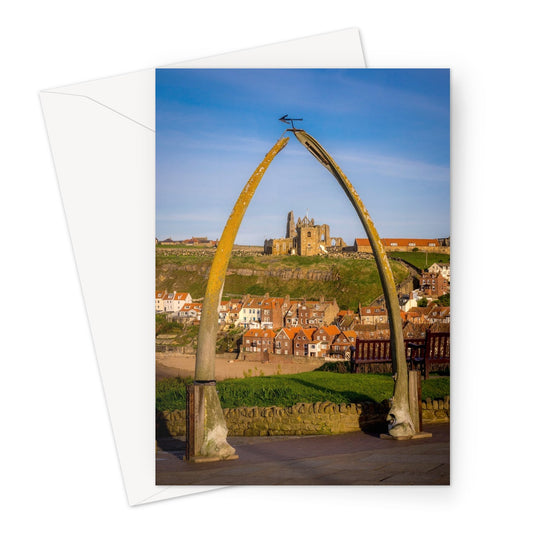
(291, 228)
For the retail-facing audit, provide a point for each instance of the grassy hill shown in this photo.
(347, 279)
(419, 259)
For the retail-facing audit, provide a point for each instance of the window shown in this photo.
(394, 244)
(412, 244)
(432, 244)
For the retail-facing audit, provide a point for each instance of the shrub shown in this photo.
(340, 367)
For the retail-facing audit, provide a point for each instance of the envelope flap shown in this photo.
(123, 95)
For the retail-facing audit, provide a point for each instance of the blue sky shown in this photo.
(388, 130)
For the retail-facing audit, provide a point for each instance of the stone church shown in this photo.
(304, 238)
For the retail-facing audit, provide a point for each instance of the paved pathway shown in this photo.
(349, 459)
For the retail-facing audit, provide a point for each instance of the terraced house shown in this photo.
(258, 341)
(250, 313)
(284, 341)
(301, 342)
(191, 311)
(174, 301)
(160, 301)
(341, 345)
(234, 309)
(273, 311)
(326, 334)
(438, 314)
(434, 284)
(323, 342)
(373, 315)
(311, 313)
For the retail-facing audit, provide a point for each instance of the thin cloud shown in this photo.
(406, 169)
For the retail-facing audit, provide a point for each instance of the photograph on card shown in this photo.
(302, 287)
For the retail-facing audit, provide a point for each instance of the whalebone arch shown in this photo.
(214, 429)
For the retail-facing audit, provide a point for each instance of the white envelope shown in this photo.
(102, 137)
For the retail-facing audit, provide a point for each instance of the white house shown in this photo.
(174, 301)
(407, 303)
(250, 314)
(441, 268)
(223, 311)
(160, 301)
(191, 310)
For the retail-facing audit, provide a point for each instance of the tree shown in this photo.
(444, 300)
(423, 302)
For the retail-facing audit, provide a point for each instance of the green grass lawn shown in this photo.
(287, 390)
(418, 259)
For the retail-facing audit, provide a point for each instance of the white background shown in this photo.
(59, 469)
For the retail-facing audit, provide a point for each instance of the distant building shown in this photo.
(191, 312)
(432, 284)
(326, 334)
(405, 245)
(438, 314)
(284, 341)
(174, 301)
(340, 347)
(303, 238)
(167, 242)
(302, 340)
(441, 268)
(198, 241)
(258, 341)
(193, 241)
(417, 315)
(160, 301)
(311, 313)
(373, 315)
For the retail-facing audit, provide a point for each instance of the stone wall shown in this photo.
(322, 418)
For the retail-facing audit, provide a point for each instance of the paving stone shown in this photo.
(349, 459)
